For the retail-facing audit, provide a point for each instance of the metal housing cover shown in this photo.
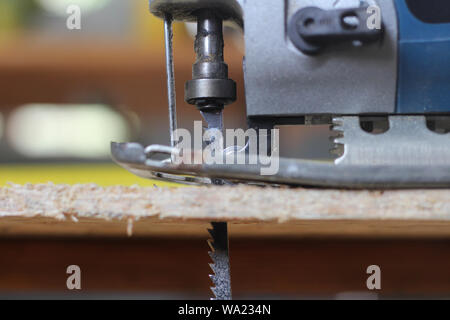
(282, 81)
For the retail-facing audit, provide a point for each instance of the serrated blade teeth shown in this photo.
(334, 137)
(211, 245)
(220, 265)
(337, 137)
(212, 233)
(216, 293)
(213, 267)
(338, 121)
(213, 278)
(338, 150)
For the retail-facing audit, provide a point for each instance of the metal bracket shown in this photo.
(311, 29)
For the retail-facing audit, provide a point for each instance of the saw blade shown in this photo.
(221, 265)
(219, 232)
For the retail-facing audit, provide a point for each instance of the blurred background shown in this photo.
(65, 94)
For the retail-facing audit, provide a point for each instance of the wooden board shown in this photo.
(49, 209)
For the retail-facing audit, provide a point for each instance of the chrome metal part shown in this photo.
(292, 171)
(214, 119)
(134, 158)
(210, 87)
(171, 98)
(185, 10)
(407, 142)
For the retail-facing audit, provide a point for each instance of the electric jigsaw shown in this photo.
(376, 71)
